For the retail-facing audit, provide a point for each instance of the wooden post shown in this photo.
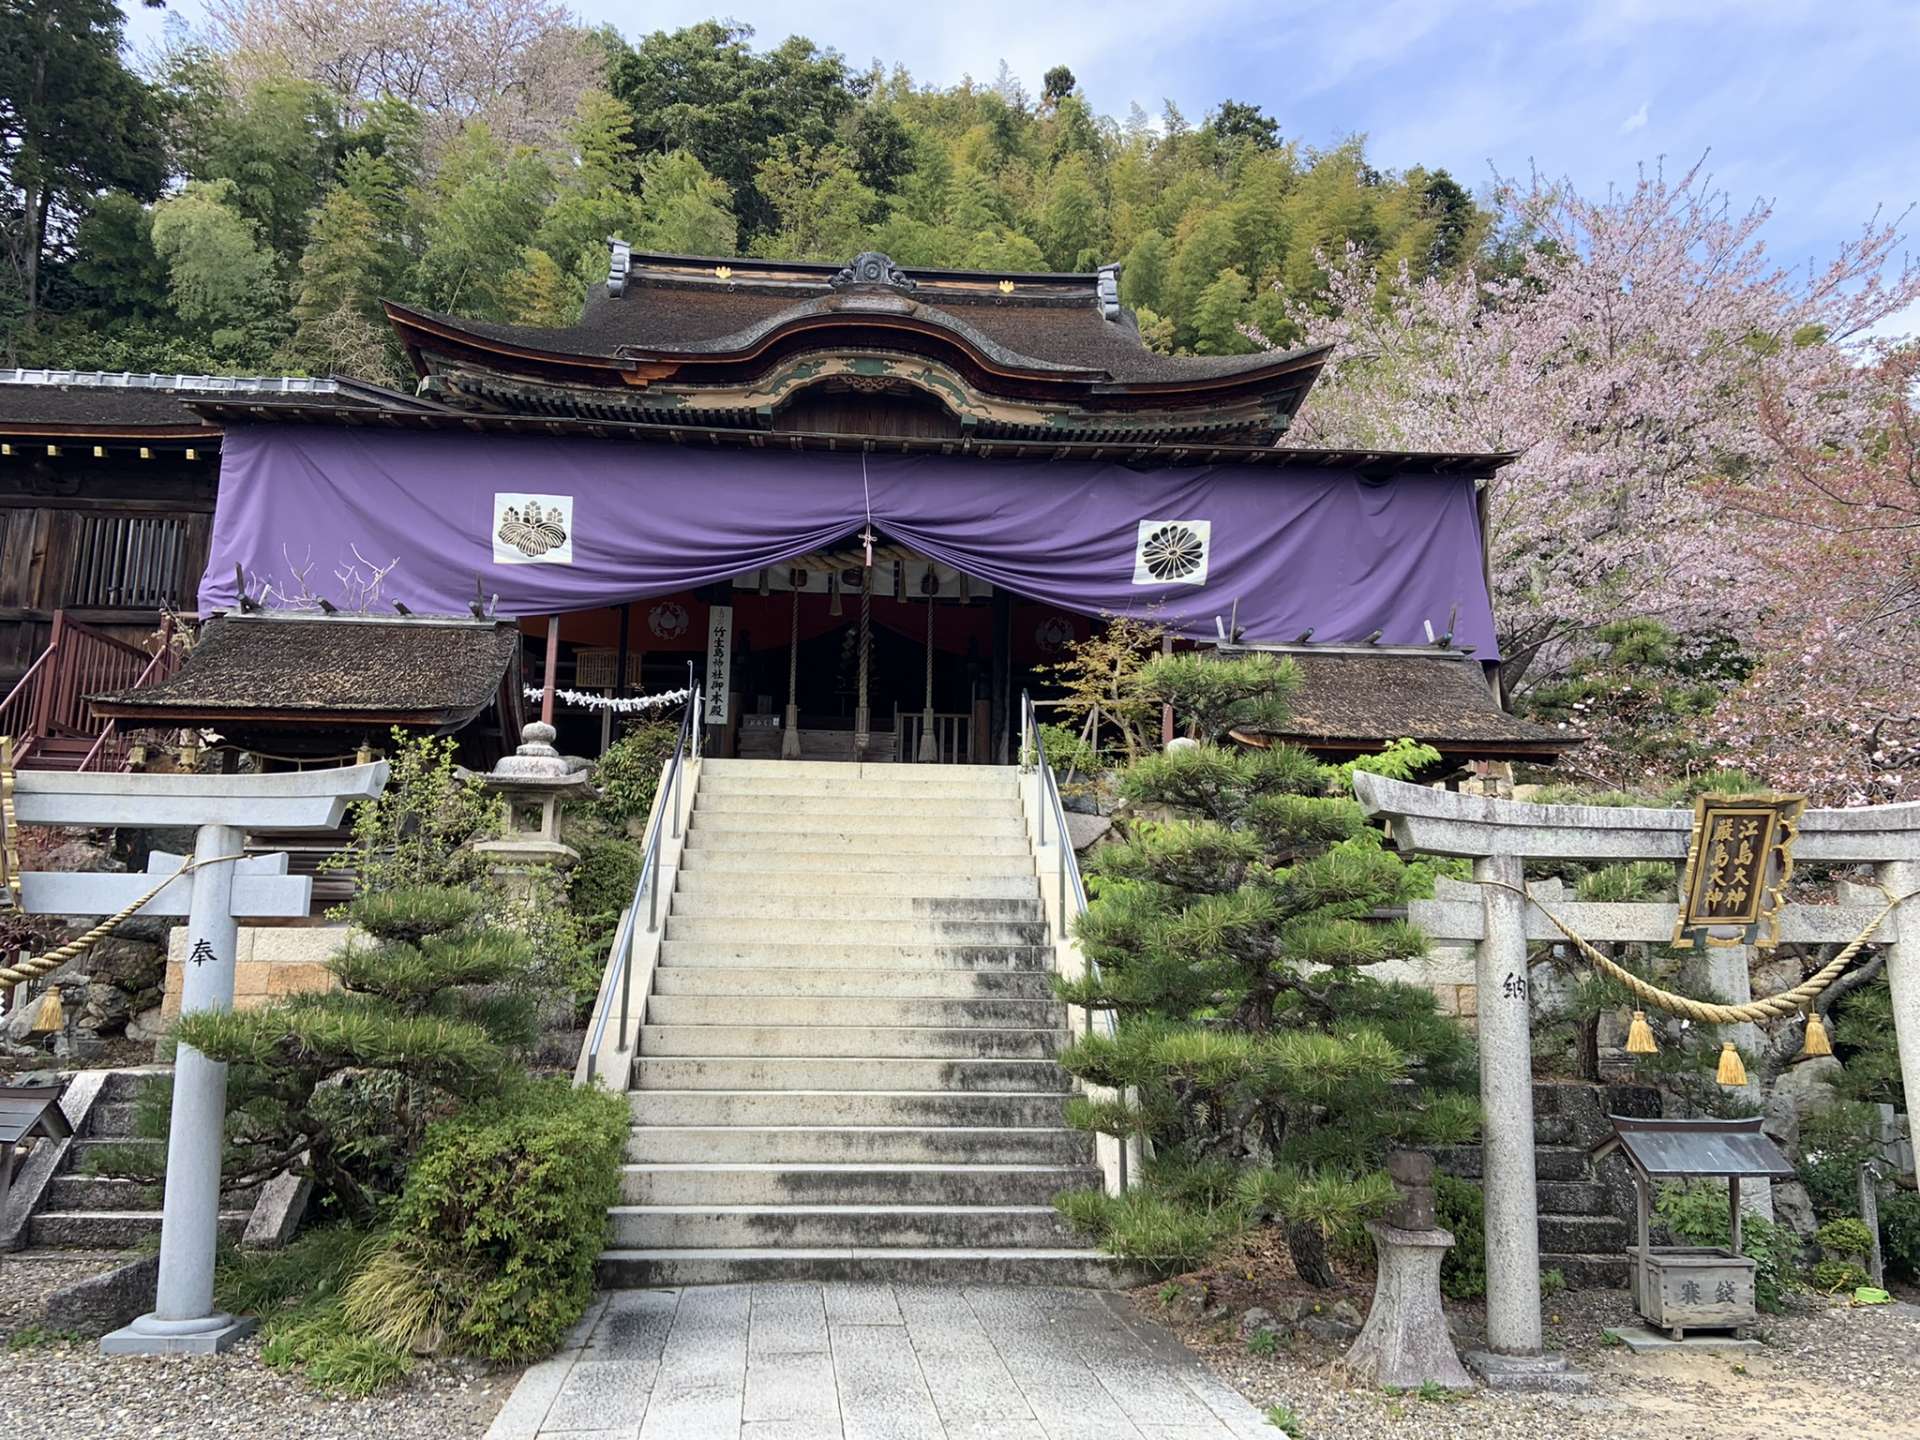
(790, 722)
(929, 751)
(553, 669)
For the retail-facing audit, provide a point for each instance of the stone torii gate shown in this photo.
(1499, 837)
(219, 890)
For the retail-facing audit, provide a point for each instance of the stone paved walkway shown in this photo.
(872, 1362)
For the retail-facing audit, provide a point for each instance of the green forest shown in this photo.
(244, 201)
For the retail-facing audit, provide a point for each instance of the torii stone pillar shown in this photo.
(1499, 836)
(218, 892)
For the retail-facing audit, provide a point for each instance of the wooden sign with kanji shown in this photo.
(1738, 865)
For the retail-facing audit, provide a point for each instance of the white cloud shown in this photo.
(1636, 121)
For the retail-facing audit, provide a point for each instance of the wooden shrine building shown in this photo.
(865, 505)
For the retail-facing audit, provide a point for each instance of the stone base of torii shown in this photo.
(1499, 837)
(219, 890)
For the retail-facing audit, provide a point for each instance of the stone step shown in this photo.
(88, 1192)
(826, 776)
(874, 856)
(856, 804)
(743, 1183)
(112, 1119)
(737, 902)
(1045, 1109)
(716, 882)
(1582, 1234)
(748, 1227)
(923, 982)
(112, 1229)
(1550, 1162)
(80, 1157)
(776, 847)
(854, 1010)
(908, 823)
(1588, 1272)
(84, 1192)
(765, 1072)
(1572, 1197)
(847, 957)
(857, 1144)
(125, 1085)
(852, 1041)
(1083, 1269)
(857, 932)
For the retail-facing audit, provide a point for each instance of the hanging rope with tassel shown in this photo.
(1731, 1070)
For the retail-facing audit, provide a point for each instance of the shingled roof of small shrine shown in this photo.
(418, 671)
(1355, 700)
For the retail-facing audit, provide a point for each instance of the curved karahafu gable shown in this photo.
(734, 342)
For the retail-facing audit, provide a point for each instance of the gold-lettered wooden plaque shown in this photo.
(1738, 866)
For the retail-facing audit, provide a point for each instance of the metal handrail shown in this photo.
(688, 742)
(1066, 867)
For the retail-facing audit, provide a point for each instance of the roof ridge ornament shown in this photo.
(619, 262)
(872, 270)
(1108, 289)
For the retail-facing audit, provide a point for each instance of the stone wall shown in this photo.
(272, 962)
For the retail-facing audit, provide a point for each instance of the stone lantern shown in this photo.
(535, 784)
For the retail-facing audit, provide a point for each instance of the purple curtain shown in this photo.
(1298, 548)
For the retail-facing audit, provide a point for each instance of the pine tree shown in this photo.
(341, 1085)
(1232, 944)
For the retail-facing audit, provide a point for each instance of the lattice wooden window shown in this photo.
(130, 562)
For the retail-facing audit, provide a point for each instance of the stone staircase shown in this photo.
(1585, 1213)
(83, 1212)
(846, 1069)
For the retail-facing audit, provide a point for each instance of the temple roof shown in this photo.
(335, 670)
(107, 405)
(1354, 700)
(733, 340)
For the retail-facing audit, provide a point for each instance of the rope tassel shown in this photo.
(1640, 1036)
(1732, 1072)
(1816, 1042)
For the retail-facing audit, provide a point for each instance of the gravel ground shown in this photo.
(55, 1387)
(1823, 1367)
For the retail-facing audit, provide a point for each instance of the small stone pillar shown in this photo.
(535, 782)
(1405, 1342)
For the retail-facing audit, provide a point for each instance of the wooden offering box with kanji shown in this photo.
(1692, 1287)
(1677, 1288)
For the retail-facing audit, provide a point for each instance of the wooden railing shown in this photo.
(952, 734)
(48, 712)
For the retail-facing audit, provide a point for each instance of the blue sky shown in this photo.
(1807, 104)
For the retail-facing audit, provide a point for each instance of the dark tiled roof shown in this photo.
(1350, 701)
(1064, 330)
(417, 671)
(108, 404)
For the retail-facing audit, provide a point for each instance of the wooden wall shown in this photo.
(108, 539)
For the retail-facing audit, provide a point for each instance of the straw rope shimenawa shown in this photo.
(1771, 1007)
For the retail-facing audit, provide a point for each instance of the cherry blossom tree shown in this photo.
(518, 65)
(1833, 527)
(1617, 350)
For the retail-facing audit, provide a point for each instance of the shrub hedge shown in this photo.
(512, 1196)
